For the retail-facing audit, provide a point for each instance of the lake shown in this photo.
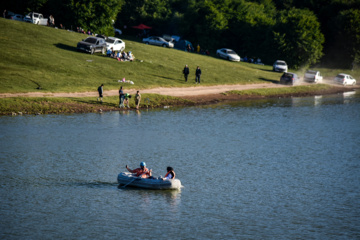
(256, 169)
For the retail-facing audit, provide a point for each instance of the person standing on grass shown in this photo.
(101, 91)
(186, 72)
(197, 75)
(137, 99)
(121, 97)
(126, 101)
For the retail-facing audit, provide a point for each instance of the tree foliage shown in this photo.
(95, 15)
(349, 32)
(298, 37)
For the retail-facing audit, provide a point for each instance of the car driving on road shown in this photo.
(289, 78)
(92, 45)
(312, 76)
(345, 79)
(159, 41)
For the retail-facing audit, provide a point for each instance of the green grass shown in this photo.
(37, 56)
(282, 91)
(46, 105)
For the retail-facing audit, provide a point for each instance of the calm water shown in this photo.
(269, 169)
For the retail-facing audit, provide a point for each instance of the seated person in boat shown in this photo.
(170, 173)
(142, 171)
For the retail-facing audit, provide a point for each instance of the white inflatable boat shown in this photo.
(126, 179)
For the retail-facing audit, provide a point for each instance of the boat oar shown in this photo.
(128, 183)
(135, 179)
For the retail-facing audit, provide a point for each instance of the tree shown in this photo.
(149, 12)
(251, 27)
(349, 34)
(95, 15)
(298, 37)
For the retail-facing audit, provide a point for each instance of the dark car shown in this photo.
(92, 45)
(289, 78)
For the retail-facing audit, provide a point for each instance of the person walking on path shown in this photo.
(186, 72)
(197, 75)
(121, 97)
(101, 91)
(137, 99)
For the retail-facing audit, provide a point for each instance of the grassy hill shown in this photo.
(33, 56)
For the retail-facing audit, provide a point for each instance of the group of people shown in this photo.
(120, 56)
(123, 97)
(186, 73)
(253, 60)
(144, 172)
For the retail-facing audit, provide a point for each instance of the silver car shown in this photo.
(228, 54)
(159, 41)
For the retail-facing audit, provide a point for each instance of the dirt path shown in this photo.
(177, 92)
(187, 92)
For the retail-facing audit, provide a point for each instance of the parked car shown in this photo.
(159, 41)
(280, 66)
(228, 54)
(313, 76)
(115, 43)
(289, 78)
(345, 79)
(17, 17)
(8, 14)
(168, 38)
(36, 18)
(92, 45)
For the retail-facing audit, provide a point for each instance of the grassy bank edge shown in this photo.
(49, 105)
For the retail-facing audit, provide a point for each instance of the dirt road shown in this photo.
(177, 92)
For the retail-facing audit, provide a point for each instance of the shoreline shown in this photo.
(193, 96)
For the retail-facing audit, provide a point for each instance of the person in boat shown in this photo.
(170, 173)
(142, 171)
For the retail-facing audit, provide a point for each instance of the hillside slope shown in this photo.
(37, 56)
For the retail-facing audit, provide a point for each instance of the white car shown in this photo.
(313, 76)
(345, 79)
(159, 41)
(280, 66)
(115, 43)
(36, 18)
(228, 54)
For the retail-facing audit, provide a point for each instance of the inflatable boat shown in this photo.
(126, 179)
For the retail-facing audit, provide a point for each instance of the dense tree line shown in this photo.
(299, 31)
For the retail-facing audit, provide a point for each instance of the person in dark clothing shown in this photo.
(101, 91)
(121, 98)
(197, 75)
(186, 72)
